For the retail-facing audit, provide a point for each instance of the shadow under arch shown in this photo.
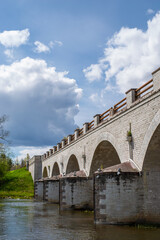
(151, 161)
(105, 155)
(45, 173)
(72, 164)
(149, 138)
(55, 170)
(151, 178)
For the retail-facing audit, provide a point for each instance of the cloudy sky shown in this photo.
(63, 61)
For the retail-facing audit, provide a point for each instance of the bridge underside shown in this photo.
(105, 156)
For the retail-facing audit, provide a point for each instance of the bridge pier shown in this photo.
(51, 190)
(118, 195)
(39, 189)
(76, 191)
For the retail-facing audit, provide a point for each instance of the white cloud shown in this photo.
(150, 11)
(59, 43)
(40, 47)
(94, 97)
(23, 151)
(93, 72)
(14, 38)
(129, 57)
(9, 53)
(41, 103)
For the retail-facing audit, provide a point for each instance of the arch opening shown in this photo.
(151, 178)
(152, 157)
(45, 174)
(104, 156)
(55, 170)
(72, 164)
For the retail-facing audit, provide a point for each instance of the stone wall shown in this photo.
(35, 167)
(38, 190)
(76, 193)
(51, 190)
(118, 197)
(128, 196)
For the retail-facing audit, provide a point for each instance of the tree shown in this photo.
(3, 165)
(5, 162)
(3, 132)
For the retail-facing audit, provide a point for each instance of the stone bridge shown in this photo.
(126, 136)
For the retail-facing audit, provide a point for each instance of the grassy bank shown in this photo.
(17, 184)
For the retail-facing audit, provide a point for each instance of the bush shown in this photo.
(5, 164)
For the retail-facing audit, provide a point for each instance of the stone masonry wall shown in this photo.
(76, 193)
(35, 167)
(38, 190)
(51, 191)
(118, 199)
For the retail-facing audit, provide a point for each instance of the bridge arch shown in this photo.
(72, 164)
(150, 141)
(105, 154)
(151, 169)
(45, 173)
(55, 169)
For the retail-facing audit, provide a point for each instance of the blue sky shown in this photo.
(63, 61)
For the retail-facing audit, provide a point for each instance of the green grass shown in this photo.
(17, 184)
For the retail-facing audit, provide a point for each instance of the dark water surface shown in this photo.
(26, 219)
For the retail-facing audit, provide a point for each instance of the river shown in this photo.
(31, 220)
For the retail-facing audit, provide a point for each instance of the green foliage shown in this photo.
(3, 166)
(5, 161)
(17, 184)
(129, 133)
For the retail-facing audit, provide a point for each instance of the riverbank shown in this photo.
(17, 184)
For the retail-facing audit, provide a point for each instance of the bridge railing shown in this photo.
(104, 115)
(72, 137)
(66, 141)
(121, 105)
(144, 89)
(80, 131)
(91, 125)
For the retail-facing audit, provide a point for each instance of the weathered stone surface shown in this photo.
(51, 190)
(118, 195)
(76, 192)
(35, 167)
(38, 190)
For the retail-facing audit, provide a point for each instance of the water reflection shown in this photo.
(26, 219)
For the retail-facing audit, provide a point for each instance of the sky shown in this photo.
(63, 61)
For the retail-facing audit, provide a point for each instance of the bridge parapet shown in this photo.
(131, 98)
(156, 79)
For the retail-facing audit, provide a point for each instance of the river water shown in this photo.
(30, 220)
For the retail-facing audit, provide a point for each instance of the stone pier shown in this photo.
(38, 189)
(51, 189)
(118, 195)
(76, 191)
